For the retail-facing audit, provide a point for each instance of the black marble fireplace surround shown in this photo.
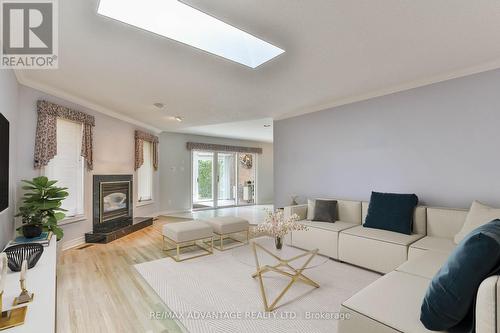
(112, 209)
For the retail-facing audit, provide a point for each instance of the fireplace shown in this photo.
(113, 209)
(112, 202)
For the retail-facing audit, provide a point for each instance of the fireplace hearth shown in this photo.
(113, 209)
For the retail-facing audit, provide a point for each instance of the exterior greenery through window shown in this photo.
(205, 179)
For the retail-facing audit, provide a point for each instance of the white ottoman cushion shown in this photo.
(187, 231)
(227, 224)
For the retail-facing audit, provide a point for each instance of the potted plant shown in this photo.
(278, 226)
(41, 209)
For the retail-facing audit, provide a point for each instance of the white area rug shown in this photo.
(217, 294)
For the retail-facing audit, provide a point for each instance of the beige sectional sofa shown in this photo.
(325, 235)
(392, 303)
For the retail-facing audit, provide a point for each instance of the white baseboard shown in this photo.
(72, 243)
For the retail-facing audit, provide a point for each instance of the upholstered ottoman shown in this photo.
(187, 234)
(225, 227)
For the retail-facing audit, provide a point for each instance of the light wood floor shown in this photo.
(98, 289)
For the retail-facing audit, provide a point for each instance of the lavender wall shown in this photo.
(441, 142)
(113, 154)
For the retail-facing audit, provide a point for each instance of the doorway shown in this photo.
(223, 179)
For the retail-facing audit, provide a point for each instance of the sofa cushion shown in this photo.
(325, 210)
(383, 235)
(311, 205)
(426, 265)
(391, 211)
(450, 297)
(487, 309)
(445, 222)
(379, 250)
(321, 235)
(347, 210)
(337, 226)
(438, 244)
(393, 300)
(478, 215)
(419, 218)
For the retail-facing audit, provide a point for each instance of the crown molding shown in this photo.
(80, 101)
(398, 88)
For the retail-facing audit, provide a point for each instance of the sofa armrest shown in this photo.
(487, 308)
(300, 210)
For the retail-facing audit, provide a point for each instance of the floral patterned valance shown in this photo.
(59, 111)
(140, 137)
(215, 147)
(46, 132)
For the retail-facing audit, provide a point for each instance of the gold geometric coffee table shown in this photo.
(289, 262)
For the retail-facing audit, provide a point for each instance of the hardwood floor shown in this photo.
(98, 289)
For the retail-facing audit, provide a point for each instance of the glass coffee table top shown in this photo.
(268, 255)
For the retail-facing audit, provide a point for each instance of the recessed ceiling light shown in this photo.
(178, 118)
(185, 24)
(159, 105)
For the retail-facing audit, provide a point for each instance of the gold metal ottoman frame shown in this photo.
(178, 247)
(221, 238)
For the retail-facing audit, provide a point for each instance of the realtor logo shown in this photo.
(29, 34)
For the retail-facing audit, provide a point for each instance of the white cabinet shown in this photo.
(40, 280)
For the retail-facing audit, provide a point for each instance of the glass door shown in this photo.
(203, 179)
(223, 179)
(226, 178)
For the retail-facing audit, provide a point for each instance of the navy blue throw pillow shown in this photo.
(391, 211)
(449, 300)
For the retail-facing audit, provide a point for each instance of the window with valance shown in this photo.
(46, 132)
(140, 137)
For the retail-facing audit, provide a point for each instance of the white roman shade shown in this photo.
(67, 167)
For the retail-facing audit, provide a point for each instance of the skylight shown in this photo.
(176, 20)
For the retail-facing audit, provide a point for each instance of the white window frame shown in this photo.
(50, 172)
(147, 166)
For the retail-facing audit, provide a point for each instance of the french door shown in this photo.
(222, 179)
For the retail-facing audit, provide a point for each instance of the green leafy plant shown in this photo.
(205, 179)
(42, 205)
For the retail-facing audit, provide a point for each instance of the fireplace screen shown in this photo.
(114, 200)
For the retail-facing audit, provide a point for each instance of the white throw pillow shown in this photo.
(478, 215)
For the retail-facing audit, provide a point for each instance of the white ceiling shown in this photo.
(257, 129)
(337, 51)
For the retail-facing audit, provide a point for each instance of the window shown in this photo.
(145, 174)
(183, 23)
(67, 166)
